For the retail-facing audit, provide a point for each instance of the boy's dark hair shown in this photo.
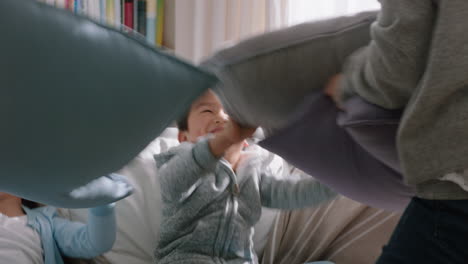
(182, 122)
(29, 204)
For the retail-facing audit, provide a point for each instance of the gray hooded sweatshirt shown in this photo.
(418, 60)
(209, 211)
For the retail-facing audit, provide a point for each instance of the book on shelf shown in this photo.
(143, 16)
(102, 11)
(159, 22)
(128, 13)
(110, 12)
(151, 21)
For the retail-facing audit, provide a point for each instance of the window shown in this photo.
(306, 10)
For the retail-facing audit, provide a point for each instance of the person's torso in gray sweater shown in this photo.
(418, 60)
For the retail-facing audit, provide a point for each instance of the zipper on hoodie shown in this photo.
(226, 240)
(230, 204)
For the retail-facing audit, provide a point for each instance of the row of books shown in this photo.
(143, 16)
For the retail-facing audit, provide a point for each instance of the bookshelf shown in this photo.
(145, 17)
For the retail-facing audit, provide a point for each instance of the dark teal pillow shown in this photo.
(78, 101)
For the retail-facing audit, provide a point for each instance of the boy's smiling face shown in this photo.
(206, 116)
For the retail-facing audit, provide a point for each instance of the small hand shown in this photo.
(235, 133)
(109, 187)
(232, 134)
(331, 89)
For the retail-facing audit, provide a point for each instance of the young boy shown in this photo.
(213, 192)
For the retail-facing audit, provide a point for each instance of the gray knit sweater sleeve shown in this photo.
(292, 193)
(387, 71)
(181, 167)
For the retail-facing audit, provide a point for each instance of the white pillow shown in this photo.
(262, 229)
(139, 215)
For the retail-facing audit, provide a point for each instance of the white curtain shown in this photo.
(203, 26)
(306, 10)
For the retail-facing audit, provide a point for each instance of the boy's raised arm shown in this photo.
(293, 193)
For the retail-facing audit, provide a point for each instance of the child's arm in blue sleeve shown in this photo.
(89, 240)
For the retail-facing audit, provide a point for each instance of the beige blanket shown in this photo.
(342, 231)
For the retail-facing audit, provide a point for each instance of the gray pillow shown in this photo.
(78, 101)
(265, 78)
(276, 81)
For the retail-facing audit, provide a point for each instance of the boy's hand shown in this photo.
(234, 133)
(230, 135)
